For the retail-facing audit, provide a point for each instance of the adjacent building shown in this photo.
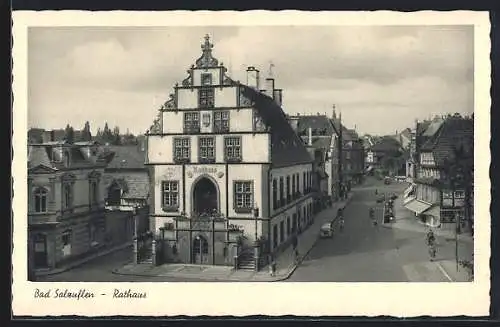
(230, 179)
(443, 187)
(321, 140)
(126, 182)
(66, 214)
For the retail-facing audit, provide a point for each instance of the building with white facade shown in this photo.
(230, 179)
(66, 215)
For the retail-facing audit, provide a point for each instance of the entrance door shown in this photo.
(40, 248)
(205, 196)
(200, 250)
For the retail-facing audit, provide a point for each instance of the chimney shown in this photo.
(253, 77)
(269, 87)
(278, 96)
(310, 136)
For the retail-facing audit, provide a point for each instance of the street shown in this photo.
(364, 253)
(360, 253)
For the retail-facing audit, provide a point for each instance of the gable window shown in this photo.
(94, 192)
(170, 195)
(232, 149)
(67, 195)
(243, 196)
(191, 122)
(182, 149)
(221, 121)
(206, 97)
(206, 79)
(206, 149)
(275, 194)
(40, 196)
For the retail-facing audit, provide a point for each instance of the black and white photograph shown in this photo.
(227, 153)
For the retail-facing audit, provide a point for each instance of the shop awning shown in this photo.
(417, 206)
(408, 190)
(434, 210)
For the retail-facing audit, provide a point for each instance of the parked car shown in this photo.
(387, 180)
(394, 196)
(326, 230)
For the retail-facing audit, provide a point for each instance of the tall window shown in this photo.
(282, 192)
(40, 196)
(170, 195)
(191, 122)
(206, 97)
(275, 194)
(206, 149)
(67, 195)
(94, 192)
(288, 191)
(243, 196)
(275, 236)
(288, 227)
(304, 187)
(232, 149)
(282, 231)
(221, 121)
(293, 187)
(182, 149)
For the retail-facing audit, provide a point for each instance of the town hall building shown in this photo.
(230, 179)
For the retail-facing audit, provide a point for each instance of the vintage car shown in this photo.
(387, 180)
(326, 230)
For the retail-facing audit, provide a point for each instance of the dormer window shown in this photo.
(206, 79)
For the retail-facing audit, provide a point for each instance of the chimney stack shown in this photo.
(278, 96)
(253, 77)
(269, 87)
(309, 138)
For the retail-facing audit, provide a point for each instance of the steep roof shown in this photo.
(386, 144)
(134, 185)
(453, 132)
(433, 127)
(125, 157)
(49, 155)
(319, 124)
(286, 146)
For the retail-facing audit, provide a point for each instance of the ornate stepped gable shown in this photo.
(205, 61)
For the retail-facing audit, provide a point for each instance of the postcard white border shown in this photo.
(240, 299)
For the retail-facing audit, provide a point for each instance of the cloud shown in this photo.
(411, 69)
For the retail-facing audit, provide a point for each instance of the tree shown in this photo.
(116, 138)
(69, 134)
(86, 135)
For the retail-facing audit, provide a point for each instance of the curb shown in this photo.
(275, 279)
(82, 262)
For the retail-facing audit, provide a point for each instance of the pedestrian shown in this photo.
(296, 256)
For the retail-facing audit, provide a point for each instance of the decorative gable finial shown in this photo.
(206, 59)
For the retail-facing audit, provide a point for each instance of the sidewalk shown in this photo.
(406, 220)
(80, 262)
(285, 265)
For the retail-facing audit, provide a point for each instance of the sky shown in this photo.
(381, 78)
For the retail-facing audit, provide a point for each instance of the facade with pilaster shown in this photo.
(229, 178)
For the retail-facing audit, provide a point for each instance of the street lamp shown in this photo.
(256, 216)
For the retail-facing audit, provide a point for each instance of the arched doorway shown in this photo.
(205, 196)
(200, 250)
